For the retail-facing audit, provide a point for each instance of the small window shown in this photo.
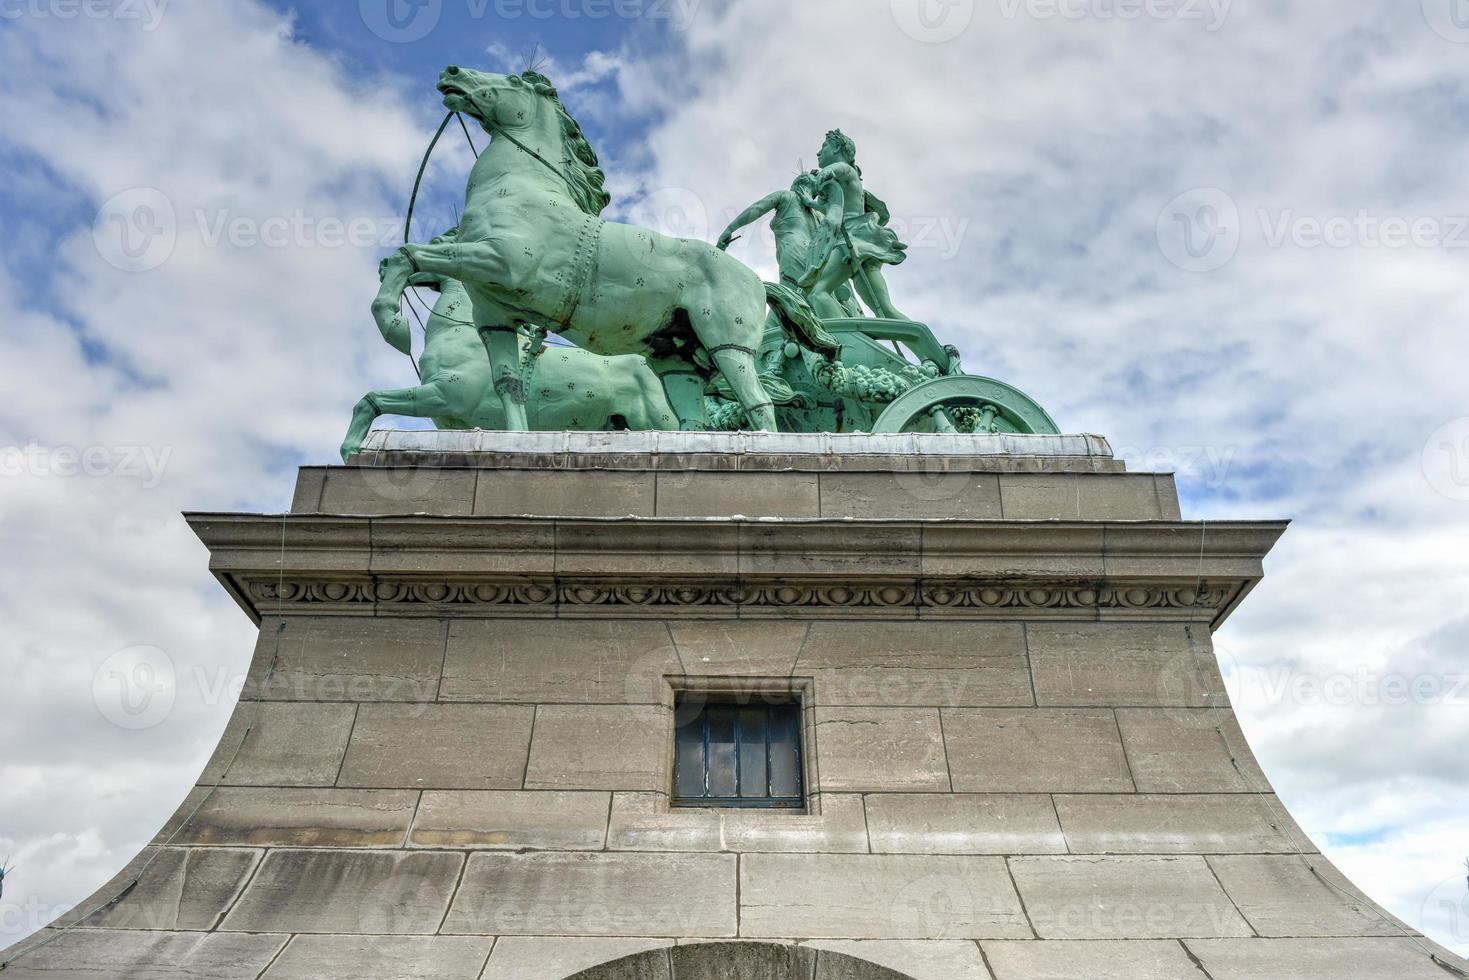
(737, 755)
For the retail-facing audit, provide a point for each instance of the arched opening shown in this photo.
(739, 961)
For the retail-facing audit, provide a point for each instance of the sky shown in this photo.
(1230, 235)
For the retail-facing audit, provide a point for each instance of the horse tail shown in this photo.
(799, 321)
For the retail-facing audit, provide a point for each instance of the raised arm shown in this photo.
(751, 214)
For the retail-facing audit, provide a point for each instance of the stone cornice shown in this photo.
(464, 566)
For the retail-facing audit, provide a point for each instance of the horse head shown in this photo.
(499, 102)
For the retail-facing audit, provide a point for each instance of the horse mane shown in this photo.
(582, 172)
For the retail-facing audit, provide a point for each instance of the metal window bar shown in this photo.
(726, 747)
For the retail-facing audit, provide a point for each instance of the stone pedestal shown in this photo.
(453, 755)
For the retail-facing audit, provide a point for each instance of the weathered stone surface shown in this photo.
(735, 649)
(439, 746)
(645, 822)
(287, 745)
(1317, 959)
(88, 954)
(1053, 750)
(1078, 496)
(1124, 898)
(709, 551)
(558, 957)
(321, 891)
(601, 747)
(596, 895)
(914, 494)
(696, 494)
(310, 482)
(1189, 750)
(1094, 960)
(305, 817)
(511, 820)
(1281, 896)
(915, 958)
(378, 490)
(880, 750)
(399, 957)
(1175, 824)
(770, 548)
(334, 658)
(927, 823)
(564, 493)
(1124, 665)
(558, 661)
(180, 888)
(878, 896)
(929, 664)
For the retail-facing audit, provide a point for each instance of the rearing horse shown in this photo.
(531, 250)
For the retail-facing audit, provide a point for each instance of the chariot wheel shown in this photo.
(965, 403)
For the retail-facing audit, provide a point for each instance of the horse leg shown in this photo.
(651, 408)
(685, 390)
(502, 344)
(426, 401)
(737, 364)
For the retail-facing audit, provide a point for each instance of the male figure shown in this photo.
(794, 223)
(853, 241)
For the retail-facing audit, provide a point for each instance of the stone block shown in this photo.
(179, 888)
(601, 747)
(310, 482)
(750, 494)
(438, 746)
(400, 957)
(1236, 823)
(959, 551)
(851, 553)
(920, 959)
(559, 957)
(928, 823)
(911, 495)
(736, 649)
(559, 661)
(927, 664)
(1281, 896)
(645, 822)
(1094, 960)
(1040, 496)
(1317, 959)
(1080, 496)
(878, 896)
(1125, 665)
(433, 548)
(382, 490)
(391, 893)
(145, 955)
(596, 895)
(880, 750)
(511, 820)
(1124, 898)
(1028, 750)
(301, 817)
(667, 553)
(332, 658)
(286, 745)
(1189, 750)
(564, 493)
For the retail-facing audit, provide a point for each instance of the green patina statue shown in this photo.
(667, 332)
